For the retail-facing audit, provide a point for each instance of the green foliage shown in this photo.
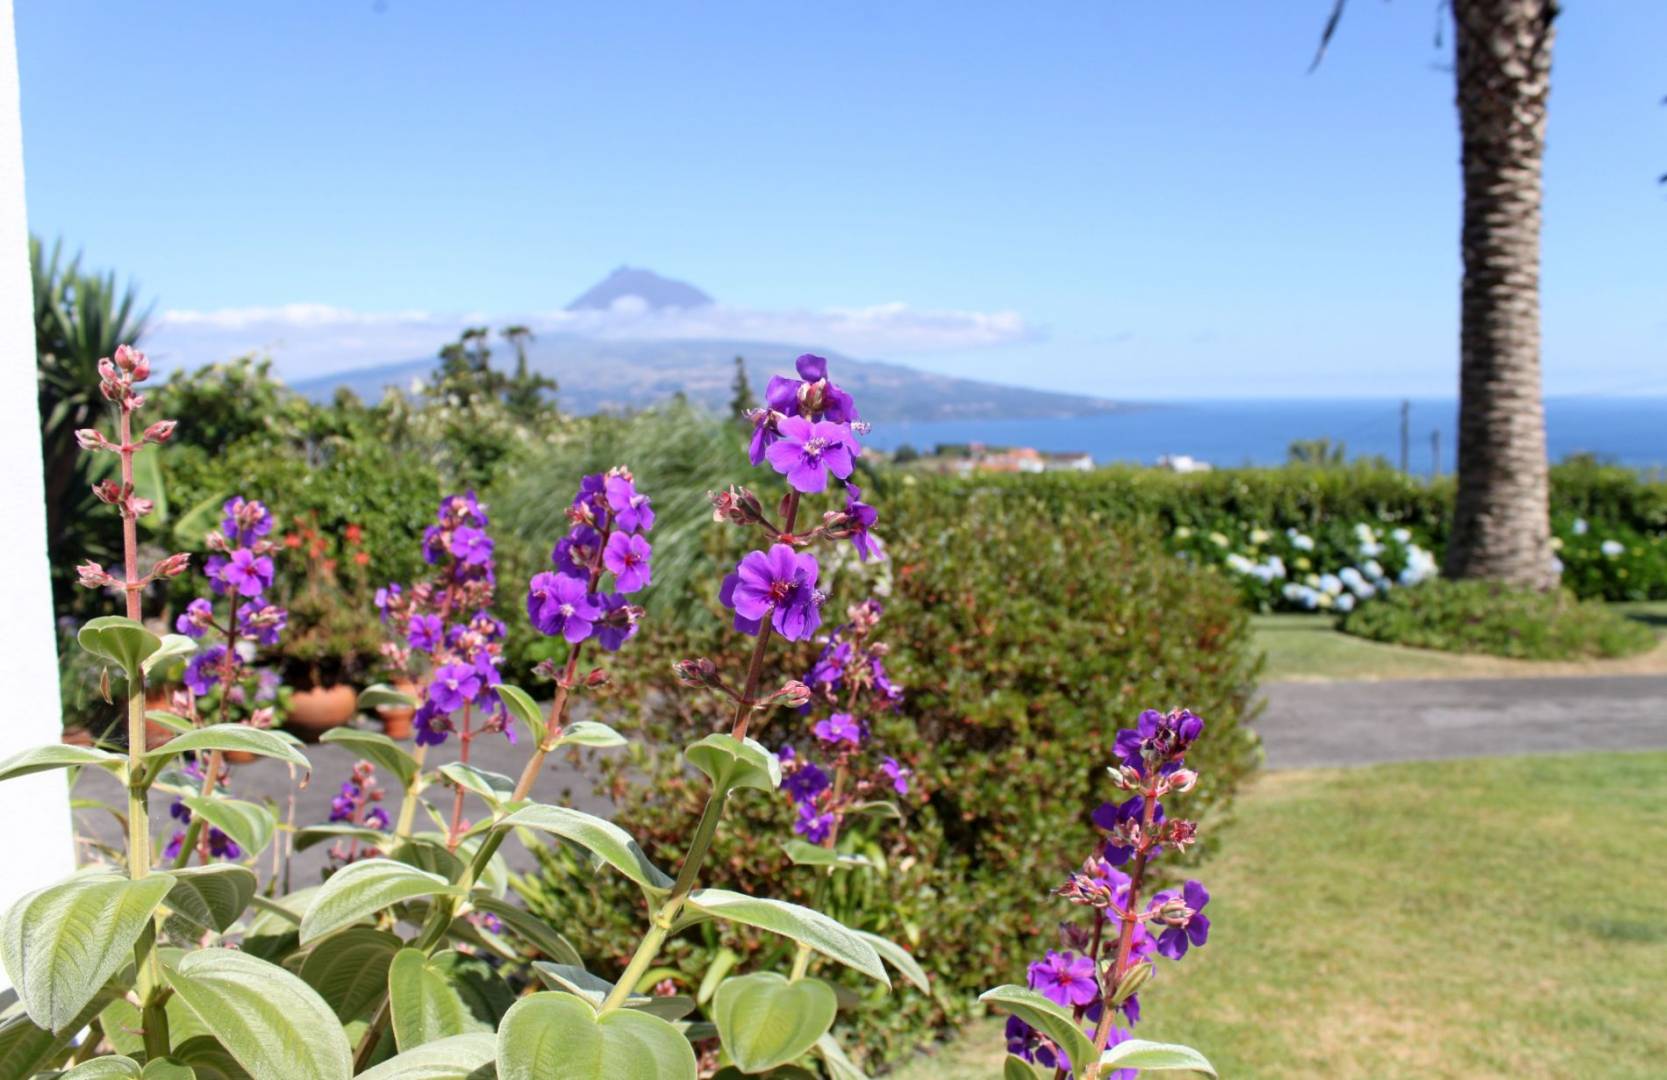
(1486, 617)
(1025, 633)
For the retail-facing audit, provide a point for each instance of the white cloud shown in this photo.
(310, 339)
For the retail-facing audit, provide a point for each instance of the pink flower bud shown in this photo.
(93, 576)
(597, 677)
(107, 371)
(261, 717)
(92, 439)
(141, 368)
(138, 507)
(135, 402)
(108, 492)
(698, 672)
(172, 566)
(793, 694)
(216, 541)
(160, 432)
(125, 357)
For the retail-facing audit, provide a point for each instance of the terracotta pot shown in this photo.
(77, 736)
(396, 722)
(236, 757)
(313, 712)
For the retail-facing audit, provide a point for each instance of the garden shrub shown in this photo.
(1487, 617)
(1032, 633)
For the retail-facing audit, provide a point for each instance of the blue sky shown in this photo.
(1138, 200)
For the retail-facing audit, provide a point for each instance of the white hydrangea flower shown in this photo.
(1612, 548)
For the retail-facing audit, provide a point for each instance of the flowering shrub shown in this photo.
(1609, 561)
(1292, 570)
(168, 970)
(1066, 1019)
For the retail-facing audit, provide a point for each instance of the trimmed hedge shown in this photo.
(1024, 637)
(1486, 617)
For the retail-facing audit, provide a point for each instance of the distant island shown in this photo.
(611, 375)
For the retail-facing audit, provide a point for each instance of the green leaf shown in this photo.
(350, 971)
(208, 1058)
(899, 958)
(839, 1066)
(603, 839)
(119, 641)
(731, 763)
(318, 834)
(361, 889)
(1155, 1057)
(1017, 1068)
(718, 970)
(168, 1068)
(62, 756)
(376, 748)
(380, 694)
(877, 808)
(805, 853)
(803, 925)
(62, 943)
(1043, 1015)
(459, 1057)
(114, 1067)
(214, 896)
(534, 931)
(174, 722)
(432, 998)
(173, 647)
(232, 737)
(574, 979)
(783, 1072)
(764, 1020)
(592, 734)
(26, 1049)
(427, 851)
(249, 824)
(555, 1036)
(493, 788)
(522, 707)
(269, 1020)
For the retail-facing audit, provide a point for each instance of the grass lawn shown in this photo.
(1308, 648)
(1490, 918)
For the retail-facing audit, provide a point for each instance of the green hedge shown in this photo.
(1486, 617)
(1025, 637)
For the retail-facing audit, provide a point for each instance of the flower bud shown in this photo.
(137, 507)
(793, 694)
(173, 566)
(1174, 912)
(108, 492)
(135, 402)
(836, 524)
(93, 439)
(261, 717)
(697, 672)
(812, 397)
(216, 541)
(141, 369)
(1131, 982)
(159, 432)
(127, 357)
(93, 576)
(107, 371)
(597, 677)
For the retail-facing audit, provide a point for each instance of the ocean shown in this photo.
(1627, 431)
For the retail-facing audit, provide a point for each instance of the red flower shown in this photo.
(354, 534)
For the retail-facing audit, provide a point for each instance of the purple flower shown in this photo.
(780, 584)
(377, 819)
(262, 623)
(246, 573)
(618, 623)
(452, 686)
(202, 671)
(471, 546)
(1065, 979)
(346, 804)
(562, 604)
(434, 544)
(804, 781)
(1110, 816)
(431, 725)
(487, 625)
(386, 597)
(813, 826)
(592, 499)
(461, 509)
(632, 512)
(838, 728)
(882, 681)
(813, 397)
(1162, 737)
(860, 517)
(425, 632)
(245, 521)
(808, 450)
(195, 620)
(830, 666)
(1196, 930)
(575, 553)
(898, 774)
(627, 556)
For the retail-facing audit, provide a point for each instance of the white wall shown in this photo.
(34, 810)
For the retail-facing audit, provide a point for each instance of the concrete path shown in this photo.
(1364, 723)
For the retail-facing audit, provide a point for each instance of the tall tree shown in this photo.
(741, 399)
(1501, 518)
(524, 395)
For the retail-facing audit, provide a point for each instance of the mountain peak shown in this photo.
(654, 291)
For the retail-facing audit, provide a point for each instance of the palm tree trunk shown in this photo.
(1501, 522)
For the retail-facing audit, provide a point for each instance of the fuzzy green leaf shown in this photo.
(555, 1036)
(1155, 1057)
(318, 834)
(114, 1067)
(805, 853)
(173, 647)
(62, 943)
(377, 748)
(250, 824)
(764, 1020)
(606, 841)
(802, 924)
(62, 756)
(214, 896)
(529, 928)
(350, 971)
(242, 737)
(589, 733)
(899, 958)
(522, 707)
(361, 889)
(1043, 1015)
(119, 641)
(493, 788)
(731, 763)
(433, 998)
(381, 694)
(459, 1057)
(574, 979)
(268, 1019)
